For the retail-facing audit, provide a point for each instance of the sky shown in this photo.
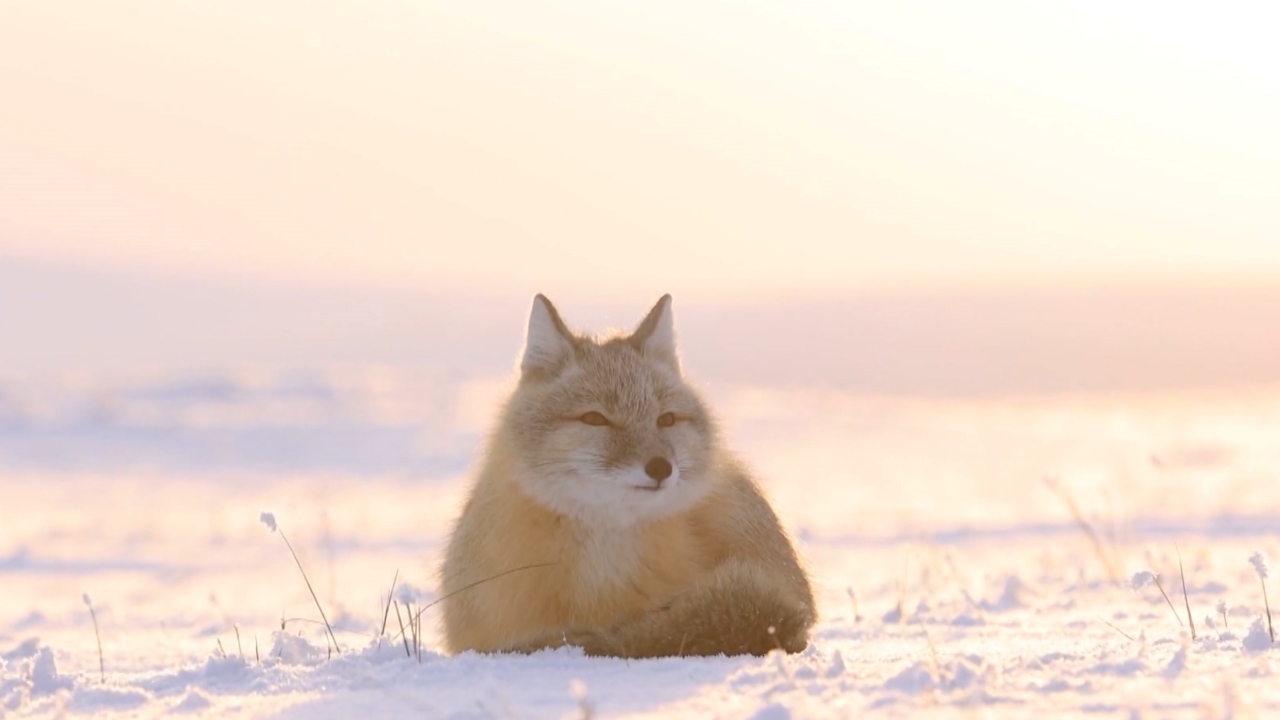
(712, 149)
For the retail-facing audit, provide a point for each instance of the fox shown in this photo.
(606, 514)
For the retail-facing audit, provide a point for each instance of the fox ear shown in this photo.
(656, 335)
(549, 345)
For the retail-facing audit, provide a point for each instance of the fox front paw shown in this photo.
(593, 642)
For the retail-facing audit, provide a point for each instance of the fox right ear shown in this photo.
(549, 345)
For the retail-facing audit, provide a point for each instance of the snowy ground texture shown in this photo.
(973, 557)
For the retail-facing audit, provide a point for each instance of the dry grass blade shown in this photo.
(1267, 605)
(402, 635)
(1172, 609)
(1099, 548)
(386, 611)
(102, 664)
(1185, 600)
(311, 590)
(1113, 627)
(477, 583)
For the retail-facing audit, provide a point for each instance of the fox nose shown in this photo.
(658, 469)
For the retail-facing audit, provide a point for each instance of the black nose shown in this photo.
(658, 469)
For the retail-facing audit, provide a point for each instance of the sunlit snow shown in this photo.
(950, 575)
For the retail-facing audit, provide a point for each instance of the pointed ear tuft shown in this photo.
(656, 335)
(549, 344)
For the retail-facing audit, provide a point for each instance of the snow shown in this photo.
(1141, 579)
(951, 578)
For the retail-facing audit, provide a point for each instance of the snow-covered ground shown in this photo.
(972, 556)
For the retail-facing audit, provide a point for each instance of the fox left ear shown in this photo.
(549, 346)
(656, 335)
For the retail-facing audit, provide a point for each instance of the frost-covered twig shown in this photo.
(102, 665)
(269, 519)
(1221, 607)
(1145, 577)
(1263, 569)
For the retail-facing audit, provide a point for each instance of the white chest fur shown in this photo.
(607, 557)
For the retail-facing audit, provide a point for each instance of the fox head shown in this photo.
(606, 429)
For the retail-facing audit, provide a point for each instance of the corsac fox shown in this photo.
(607, 515)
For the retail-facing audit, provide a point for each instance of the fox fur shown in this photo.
(606, 514)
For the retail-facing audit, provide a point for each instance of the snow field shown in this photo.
(952, 580)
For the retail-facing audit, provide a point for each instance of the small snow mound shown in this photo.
(1014, 596)
(44, 674)
(1258, 639)
(913, 680)
(1142, 578)
(1177, 664)
(968, 671)
(836, 668)
(772, 711)
(1128, 668)
(99, 699)
(224, 667)
(1057, 685)
(965, 672)
(12, 696)
(29, 648)
(295, 650)
(408, 593)
(194, 701)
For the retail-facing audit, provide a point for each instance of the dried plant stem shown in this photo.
(1113, 627)
(853, 597)
(1185, 600)
(386, 611)
(933, 650)
(417, 636)
(1267, 604)
(1176, 616)
(102, 665)
(1099, 548)
(465, 588)
(403, 637)
(312, 591)
(238, 645)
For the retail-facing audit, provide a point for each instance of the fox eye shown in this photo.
(666, 420)
(594, 418)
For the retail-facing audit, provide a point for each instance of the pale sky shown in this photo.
(638, 147)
